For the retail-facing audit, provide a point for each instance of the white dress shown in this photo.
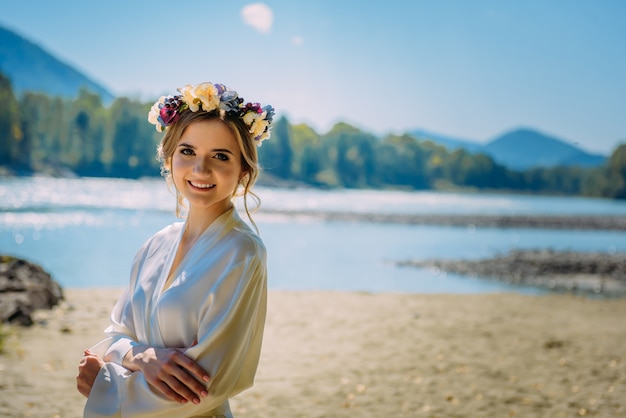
(218, 298)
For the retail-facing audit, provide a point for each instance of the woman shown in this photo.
(186, 334)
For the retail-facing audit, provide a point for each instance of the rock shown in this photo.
(24, 288)
(586, 273)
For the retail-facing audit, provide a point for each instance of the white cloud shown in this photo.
(259, 16)
(297, 40)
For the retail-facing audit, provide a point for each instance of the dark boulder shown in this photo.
(24, 288)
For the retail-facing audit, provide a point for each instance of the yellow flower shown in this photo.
(206, 93)
(258, 127)
(190, 98)
(263, 138)
(209, 97)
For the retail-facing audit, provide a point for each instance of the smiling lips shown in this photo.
(201, 185)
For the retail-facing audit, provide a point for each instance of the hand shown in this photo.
(88, 369)
(168, 370)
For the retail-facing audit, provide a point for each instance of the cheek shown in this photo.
(235, 173)
(178, 163)
(177, 169)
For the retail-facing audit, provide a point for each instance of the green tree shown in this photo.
(349, 154)
(87, 119)
(306, 153)
(617, 172)
(401, 161)
(10, 125)
(133, 141)
(124, 132)
(276, 155)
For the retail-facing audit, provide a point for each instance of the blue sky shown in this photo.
(467, 69)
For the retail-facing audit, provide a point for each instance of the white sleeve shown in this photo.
(229, 347)
(120, 334)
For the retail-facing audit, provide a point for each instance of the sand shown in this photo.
(331, 354)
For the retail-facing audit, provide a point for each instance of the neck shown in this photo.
(199, 220)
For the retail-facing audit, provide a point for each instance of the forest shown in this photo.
(83, 137)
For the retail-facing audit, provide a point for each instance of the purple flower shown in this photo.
(208, 97)
(221, 89)
(255, 107)
(169, 115)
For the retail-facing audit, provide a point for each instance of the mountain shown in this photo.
(526, 148)
(446, 141)
(520, 149)
(31, 68)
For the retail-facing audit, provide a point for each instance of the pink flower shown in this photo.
(169, 115)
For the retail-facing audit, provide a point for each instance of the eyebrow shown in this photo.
(185, 145)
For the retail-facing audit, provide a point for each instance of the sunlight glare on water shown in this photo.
(86, 232)
(48, 194)
(51, 193)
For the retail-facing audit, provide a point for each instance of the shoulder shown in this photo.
(159, 239)
(244, 240)
(169, 231)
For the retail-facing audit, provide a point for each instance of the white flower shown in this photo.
(153, 115)
(209, 97)
(262, 138)
(248, 118)
(189, 97)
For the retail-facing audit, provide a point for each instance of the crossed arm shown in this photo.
(167, 370)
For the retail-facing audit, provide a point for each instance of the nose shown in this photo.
(202, 166)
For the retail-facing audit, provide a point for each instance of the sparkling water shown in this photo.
(85, 232)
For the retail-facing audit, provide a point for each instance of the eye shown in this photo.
(186, 151)
(221, 156)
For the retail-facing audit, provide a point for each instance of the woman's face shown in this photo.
(206, 166)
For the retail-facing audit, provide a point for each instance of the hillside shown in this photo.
(31, 68)
(526, 148)
(520, 149)
(447, 141)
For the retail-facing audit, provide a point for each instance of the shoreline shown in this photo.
(332, 354)
(582, 273)
(573, 222)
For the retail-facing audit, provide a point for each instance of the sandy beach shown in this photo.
(330, 354)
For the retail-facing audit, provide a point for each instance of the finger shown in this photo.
(192, 375)
(183, 390)
(83, 387)
(193, 367)
(167, 380)
(168, 392)
(178, 363)
(181, 381)
(92, 362)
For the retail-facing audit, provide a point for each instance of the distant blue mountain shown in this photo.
(521, 149)
(30, 68)
(526, 148)
(447, 141)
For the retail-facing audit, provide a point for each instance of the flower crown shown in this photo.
(209, 97)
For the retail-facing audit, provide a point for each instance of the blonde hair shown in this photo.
(249, 155)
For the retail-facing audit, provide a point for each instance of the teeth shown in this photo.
(201, 185)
